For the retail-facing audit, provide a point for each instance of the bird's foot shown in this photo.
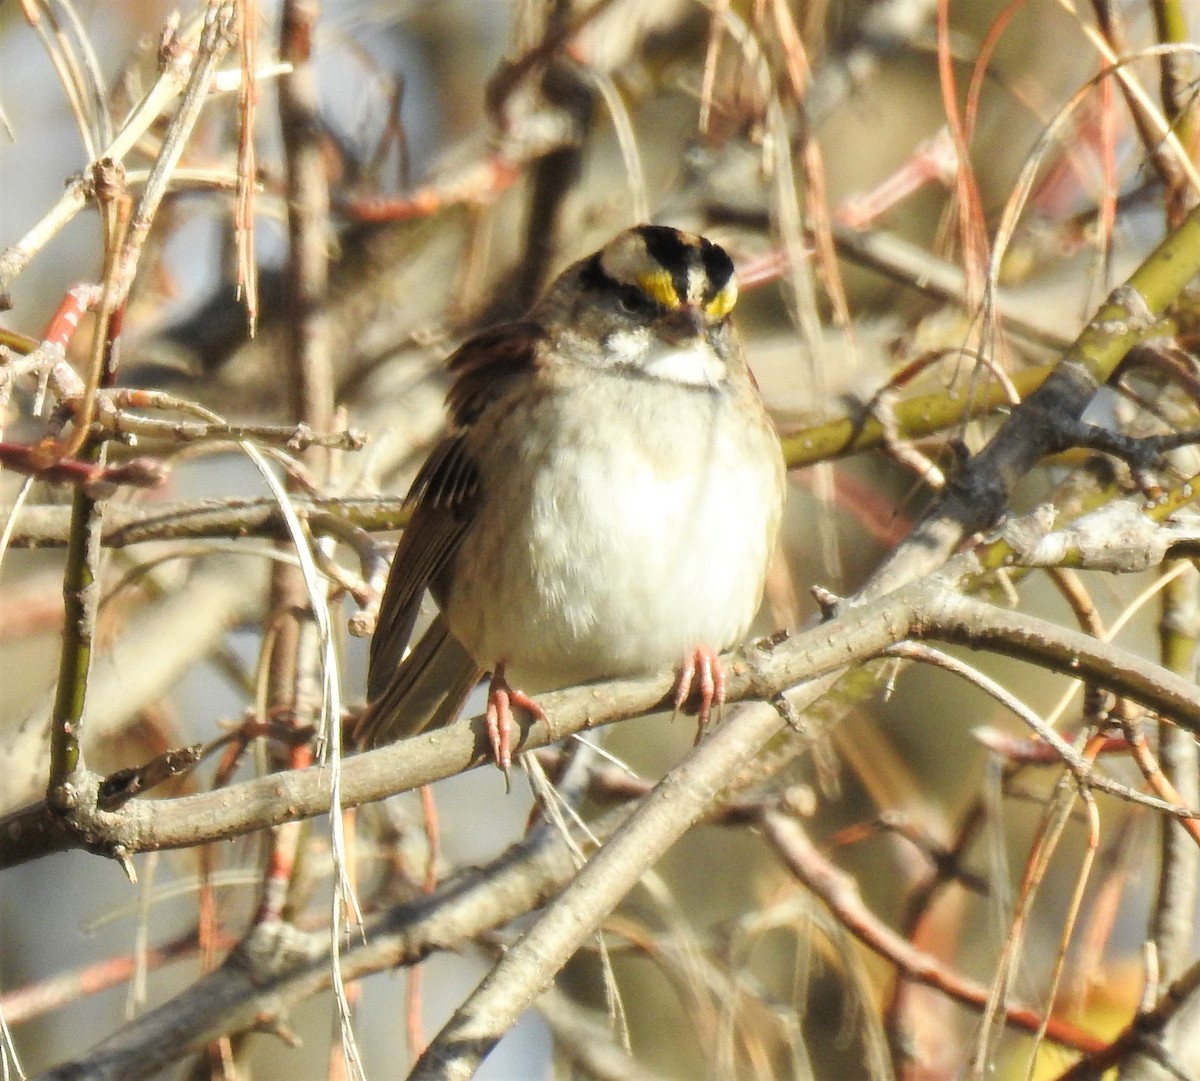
(500, 723)
(702, 675)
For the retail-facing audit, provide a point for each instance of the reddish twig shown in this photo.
(838, 891)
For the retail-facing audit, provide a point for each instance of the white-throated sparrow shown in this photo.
(605, 504)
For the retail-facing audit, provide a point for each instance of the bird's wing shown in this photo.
(488, 364)
(426, 691)
(443, 498)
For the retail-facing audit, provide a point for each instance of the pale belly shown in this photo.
(597, 560)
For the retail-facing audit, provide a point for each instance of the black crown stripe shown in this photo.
(594, 276)
(668, 249)
(718, 267)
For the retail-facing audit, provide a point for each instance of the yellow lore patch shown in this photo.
(658, 284)
(722, 304)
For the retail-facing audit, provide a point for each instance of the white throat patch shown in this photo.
(695, 365)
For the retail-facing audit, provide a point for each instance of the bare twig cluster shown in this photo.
(977, 338)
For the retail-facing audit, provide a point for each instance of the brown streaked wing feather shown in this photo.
(441, 497)
(446, 480)
(484, 366)
(426, 691)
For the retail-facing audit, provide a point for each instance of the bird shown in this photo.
(605, 502)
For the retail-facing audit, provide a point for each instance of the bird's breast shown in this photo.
(603, 550)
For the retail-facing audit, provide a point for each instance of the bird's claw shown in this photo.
(701, 674)
(500, 721)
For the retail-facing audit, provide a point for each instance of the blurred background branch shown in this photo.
(302, 209)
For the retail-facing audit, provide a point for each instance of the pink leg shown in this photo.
(500, 723)
(701, 674)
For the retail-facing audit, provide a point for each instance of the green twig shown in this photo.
(79, 605)
(1045, 421)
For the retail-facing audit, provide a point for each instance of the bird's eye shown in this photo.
(634, 301)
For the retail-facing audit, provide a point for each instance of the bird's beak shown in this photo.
(686, 323)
